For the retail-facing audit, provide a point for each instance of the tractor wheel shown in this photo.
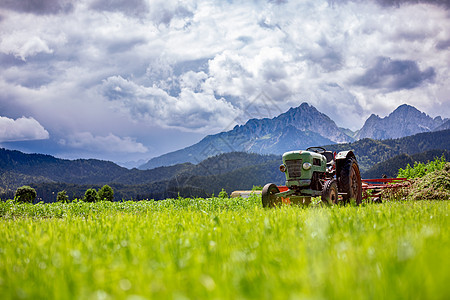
(268, 195)
(350, 181)
(330, 192)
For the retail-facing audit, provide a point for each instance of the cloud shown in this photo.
(40, 7)
(397, 3)
(24, 48)
(189, 110)
(392, 75)
(159, 11)
(176, 69)
(21, 129)
(128, 7)
(110, 143)
(443, 45)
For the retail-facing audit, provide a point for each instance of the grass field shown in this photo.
(224, 249)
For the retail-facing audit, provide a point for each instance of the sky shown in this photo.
(128, 80)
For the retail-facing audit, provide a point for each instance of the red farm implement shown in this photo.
(374, 188)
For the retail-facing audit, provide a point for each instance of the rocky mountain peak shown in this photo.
(405, 111)
(405, 120)
(307, 118)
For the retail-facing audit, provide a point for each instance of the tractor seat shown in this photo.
(329, 156)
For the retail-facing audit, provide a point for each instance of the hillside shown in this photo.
(17, 169)
(371, 152)
(391, 166)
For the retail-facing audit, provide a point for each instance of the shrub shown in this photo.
(223, 194)
(25, 194)
(106, 193)
(420, 169)
(90, 195)
(257, 188)
(62, 197)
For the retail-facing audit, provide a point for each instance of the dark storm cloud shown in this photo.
(124, 45)
(127, 7)
(396, 3)
(159, 12)
(38, 7)
(326, 55)
(278, 1)
(393, 75)
(445, 3)
(9, 60)
(443, 45)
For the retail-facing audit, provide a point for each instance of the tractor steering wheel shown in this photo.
(316, 149)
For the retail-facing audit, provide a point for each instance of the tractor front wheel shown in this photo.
(350, 181)
(268, 195)
(330, 192)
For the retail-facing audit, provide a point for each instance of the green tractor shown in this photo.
(316, 172)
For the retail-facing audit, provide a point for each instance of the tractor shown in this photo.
(316, 172)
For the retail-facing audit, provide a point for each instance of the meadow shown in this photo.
(224, 249)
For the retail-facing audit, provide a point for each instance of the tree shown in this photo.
(25, 194)
(91, 195)
(62, 197)
(106, 193)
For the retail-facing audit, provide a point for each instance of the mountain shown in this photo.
(298, 128)
(444, 126)
(404, 121)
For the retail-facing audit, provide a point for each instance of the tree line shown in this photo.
(27, 194)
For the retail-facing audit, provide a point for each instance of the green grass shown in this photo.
(224, 249)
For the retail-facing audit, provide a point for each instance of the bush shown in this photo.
(25, 194)
(257, 188)
(62, 197)
(90, 195)
(106, 193)
(223, 194)
(420, 169)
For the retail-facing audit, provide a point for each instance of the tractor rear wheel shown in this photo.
(330, 192)
(350, 181)
(268, 195)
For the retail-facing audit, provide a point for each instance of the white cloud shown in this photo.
(24, 48)
(21, 129)
(189, 110)
(109, 143)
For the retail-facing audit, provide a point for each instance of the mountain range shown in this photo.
(300, 128)
(234, 170)
(237, 159)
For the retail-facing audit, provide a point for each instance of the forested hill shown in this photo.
(17, 168)
(55, 169)
(391, 166)
(370, 152)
